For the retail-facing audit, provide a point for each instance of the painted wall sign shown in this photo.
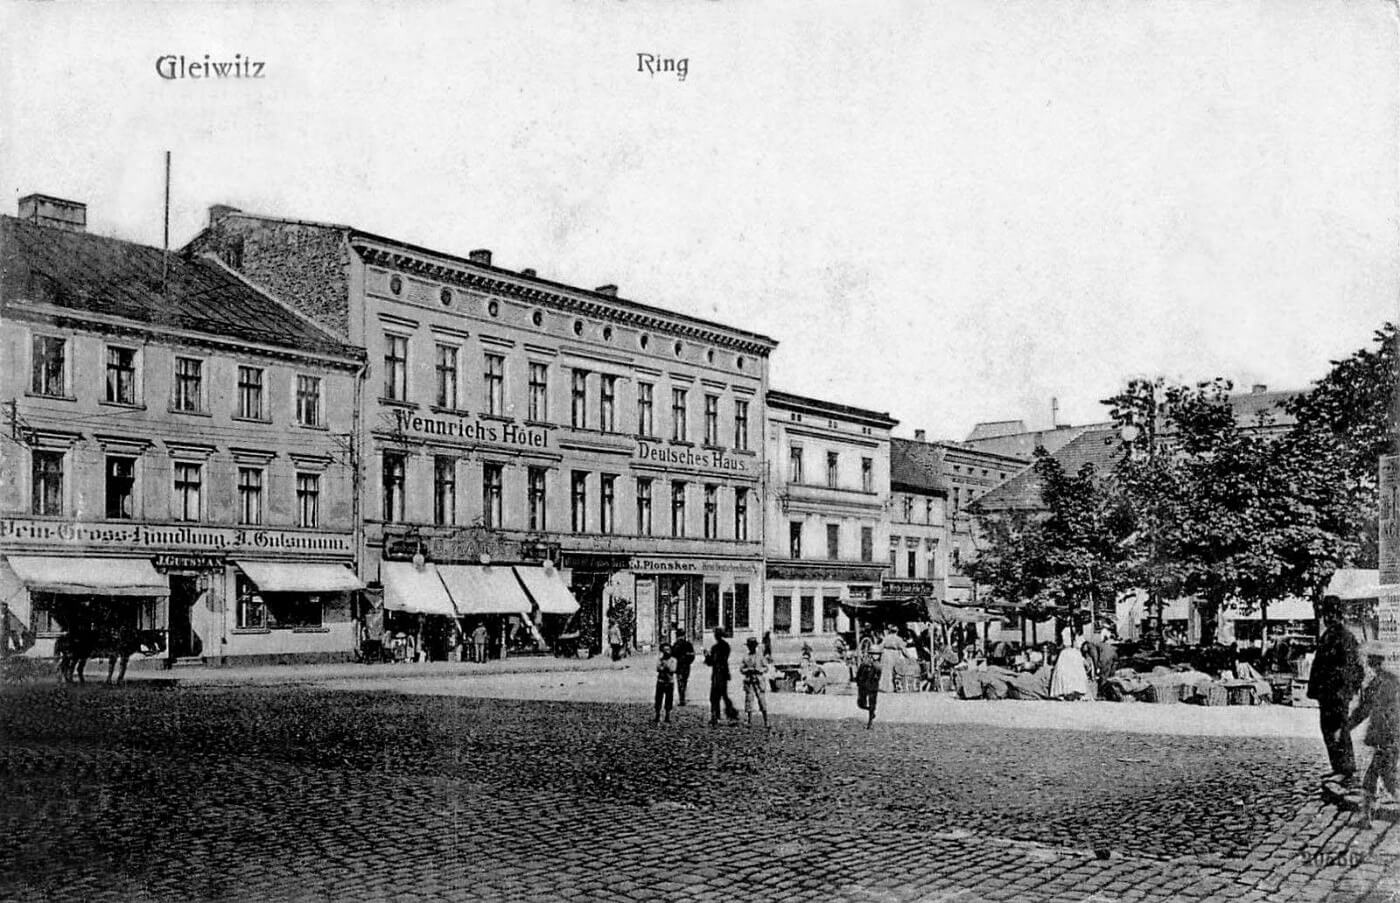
(688, 457)
(473, 429)
(692, 565)
(158, 537)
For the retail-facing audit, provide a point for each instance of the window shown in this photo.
(795, 465)
(250, 393)
(782, 614)
(48, 482)
(578, 501)
(957, 558)
(867, 543)
(444, 489)
(446, 376)
(189, 385)
(250, 495)
(396, 367)
(808, 614)
(578, 393)
(867, 475)
(711, 511)
(678, 430)
(830, 606)
(795, 540)
(908, 510)
(607, 404)
(957, 498)
(712, 420)
(121, 488)
(308, 500)
(607, 501)
(495, 384)
(491, 495)
(928, 511)
(677, 508)
(741, 425)
(537, 498)
(894, 556)
(645, 420)
(252, 613)
(50, 353)
(831, 469)
(741, 514)
(644, 507)
(912, 558)
(309, 400)
(539, 392)
(712, 614)
(833, 541)
(189, 484)
(741, 606)
(121, 375)
(393, 487)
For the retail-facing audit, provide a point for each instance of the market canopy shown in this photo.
(946, 613)
(547, 589)
(485, 589)
(89, 576)
(1359, 583)
(413, 589)
(913, 608)
(296, 577)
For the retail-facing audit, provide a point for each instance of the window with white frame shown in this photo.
(47, 482)
(578, 501)
(393, 476)
(189, 385)
(250, 393)
(446, 369)
(607, 502)
(741, 513)
(679, 433)
(395, 367)
(536, 498)
(712, 420)
(121, 487)
(578, 395)
(250, 495)
(189, 490)
(539, 392)
(121, 375)
(444, 490)
(741, 425)
(308, 500)
(495, 385)
(607, 404)
(491, 479)
(49, 366)
(646, 422)
(644, 524)
(308, 400)
(251, 611)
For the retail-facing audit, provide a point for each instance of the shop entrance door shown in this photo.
(183, 643)
(678, 605)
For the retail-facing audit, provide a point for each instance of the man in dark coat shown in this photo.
(718, 660)
(1103, 656)
(1334, 681)
(684, 654)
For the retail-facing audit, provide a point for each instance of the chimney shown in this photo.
(481, 256)
(43, 210)
(1259, 389)
(1054, 412)
(529, 271)
(219, 211)
(608, 289)
(920, 436)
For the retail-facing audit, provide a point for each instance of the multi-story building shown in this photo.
(919, 534)
(512, 420)
(828, 515)
(176, 450)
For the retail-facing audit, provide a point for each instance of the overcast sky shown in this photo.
(951, 211)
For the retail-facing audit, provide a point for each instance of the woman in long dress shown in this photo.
(1071, 678)
(892, 650)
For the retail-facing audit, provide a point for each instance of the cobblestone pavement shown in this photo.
(300, 793)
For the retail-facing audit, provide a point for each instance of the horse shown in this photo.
(75, 647)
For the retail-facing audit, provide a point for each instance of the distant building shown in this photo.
(919, 531)
(176, 451)
(827, 515)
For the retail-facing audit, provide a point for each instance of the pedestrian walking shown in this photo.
(1334, 681)
(718, 659)
(684, 654)
(1380, 706)
(753, 667)
(615, 640)
(479, 642)
(868, 686)
(665, 682)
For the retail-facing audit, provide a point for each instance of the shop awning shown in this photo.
(548, 591)
(485, 589)
(89, 576)
(406, 588)
(296, 577)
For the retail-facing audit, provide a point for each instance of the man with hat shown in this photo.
(1380, 705)
(718, 659)
(752, 667)
(1334, 681)
(684, 653)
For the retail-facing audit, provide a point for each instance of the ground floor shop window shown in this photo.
(830, 606)
(55, 613)
(712, 610)
(252, 613)
(294, 610)
(808, 614)
(782, 614)
(741, 606)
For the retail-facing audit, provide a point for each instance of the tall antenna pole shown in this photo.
(165, 256)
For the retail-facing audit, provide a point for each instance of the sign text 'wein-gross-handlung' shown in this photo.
(145, 537)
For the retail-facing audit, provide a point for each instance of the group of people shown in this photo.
(673, 676)
(1339, 674)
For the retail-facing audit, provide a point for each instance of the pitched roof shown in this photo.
(988, 429)
(789, 401)
(1099, 447)
(1249, 405)
(917, 466)
(94, 274)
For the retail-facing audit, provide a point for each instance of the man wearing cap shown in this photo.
(752, 667)
(1380, 705)
(718, 659)
(684, 654)
(665, 682)
(1334, 681)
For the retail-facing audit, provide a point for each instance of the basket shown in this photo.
(1164, 693)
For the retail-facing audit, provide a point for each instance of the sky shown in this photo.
(953, 212)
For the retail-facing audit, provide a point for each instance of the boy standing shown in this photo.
(752, 667)
(1380, 704)
(665, 682)
(685, 657)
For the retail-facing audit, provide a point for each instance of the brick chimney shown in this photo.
(481, 256)
(608, 289)
(219, 211)
(920, 436)
(529, 271)
(45, 210)
(1258, 389)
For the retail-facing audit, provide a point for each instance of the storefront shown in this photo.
(805, 603)
(693, 594)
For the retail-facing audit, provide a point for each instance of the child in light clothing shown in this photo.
(665, 683)
(1380, 705)
(753, 666)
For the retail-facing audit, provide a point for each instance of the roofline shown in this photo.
(778, 398)
(958, 446)
(347, 348)
(50, 197)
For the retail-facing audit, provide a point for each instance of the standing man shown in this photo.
(1380, 704)
(1334, 681)
(752, 667)
(684, 654)
(615, 640)
(479, 642)
(718, 659)
(665, 683)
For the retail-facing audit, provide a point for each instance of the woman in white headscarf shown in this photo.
(1070, 679)
(892, 651)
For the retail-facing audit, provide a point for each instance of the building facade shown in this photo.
(508, 419)
(828, 516)
(175, 451)
(919, 533)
